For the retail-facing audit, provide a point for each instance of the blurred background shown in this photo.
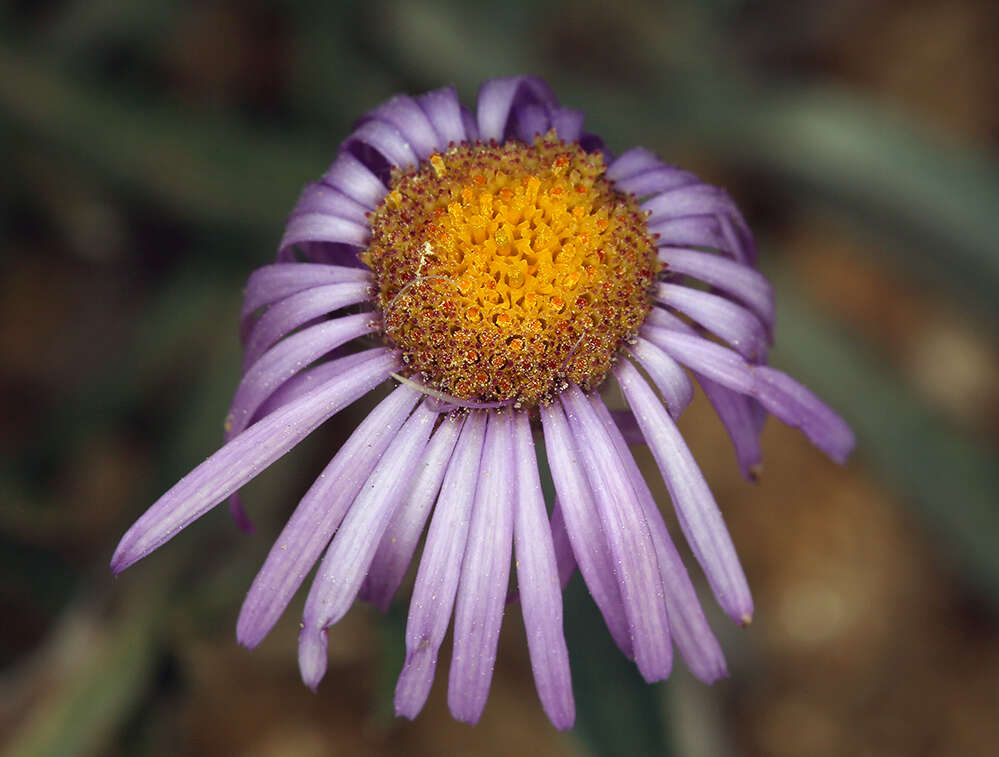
(153, 150)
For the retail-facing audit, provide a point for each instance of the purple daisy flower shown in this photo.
(499, 268)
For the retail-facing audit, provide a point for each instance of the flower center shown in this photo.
(506, 270)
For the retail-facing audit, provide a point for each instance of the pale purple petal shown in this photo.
(318, 515)
(690, 630)
(564, 557)
(287, 358)
(664, 319)
(654, 181)
(538, 583)
(532, 120)
(778, 393)
(399, 542)
(672, 381)
(298, 309)
(632, 162)
(274, 282)
(471, 127)
(568, 123)
(695, 506)
(733, 323)
(628, 426)
(318, 197)
(497, 98)
(693, 231)
(444, 111)
(350, 176)
(634, 555)
(440, 568)
(387, 140)
(409, 119)
(739, 281)
(485, 570)
(582, 523)
(312, 377)
(243, 458)
(312, 656)
(353, 547)
(319, 227)
(736, 415)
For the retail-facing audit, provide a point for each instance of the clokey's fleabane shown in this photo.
(499, 268)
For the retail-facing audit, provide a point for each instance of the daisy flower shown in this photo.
(498, 268)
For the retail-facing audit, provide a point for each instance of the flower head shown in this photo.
(499, 268)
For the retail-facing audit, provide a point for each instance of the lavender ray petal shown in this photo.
(319, 227)
(583, 525)
(564, 557)
(485, 571)
(672, 381)
(692, 231)
(699, 517)
(243, 458)
(239, 514)
(690, 630)
(568, 123)
(444, 111)
(274, 282)
(297, 310)
(628, 536)
(797, 406)
(287, 358)
(718, 363)
(312, 655)
(531, 121)
(497, 98)
(734, 411)
(538, 582)
(778, 393)
(350, 553)
(387, 140)
(733, 323)
(408, 118)
(632, 162)
(350, 176)
(399, 542)
(654, 181)
(318, 197)
(628, 426)
(663, 319)
(318, 515)
(739, 281)
(440, 568)
(698, 199)
(471, 127)
(312, 377)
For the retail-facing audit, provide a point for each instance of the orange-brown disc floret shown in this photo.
(506, 270)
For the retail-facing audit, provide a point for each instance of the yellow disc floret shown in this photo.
(506, 270)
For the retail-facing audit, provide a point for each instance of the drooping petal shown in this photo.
(538, 583)
(690, 630)
(739, 281)
(696, 510)
(655, 180)
(631, 162)
(736, 415)
(497, 98)
(733, 323)
(399, 542)
(669, 377)
(243, 458)
(628, 537)
(350, 176)
(485, 570)
(579, 511)
(693, 231)
(346, 562)
(297, 310)
(444, 111)
(777, 392)
(318, 515)
(273, 283)
(699, 199)
(285, 359)
(564, 557)
(440, 568)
